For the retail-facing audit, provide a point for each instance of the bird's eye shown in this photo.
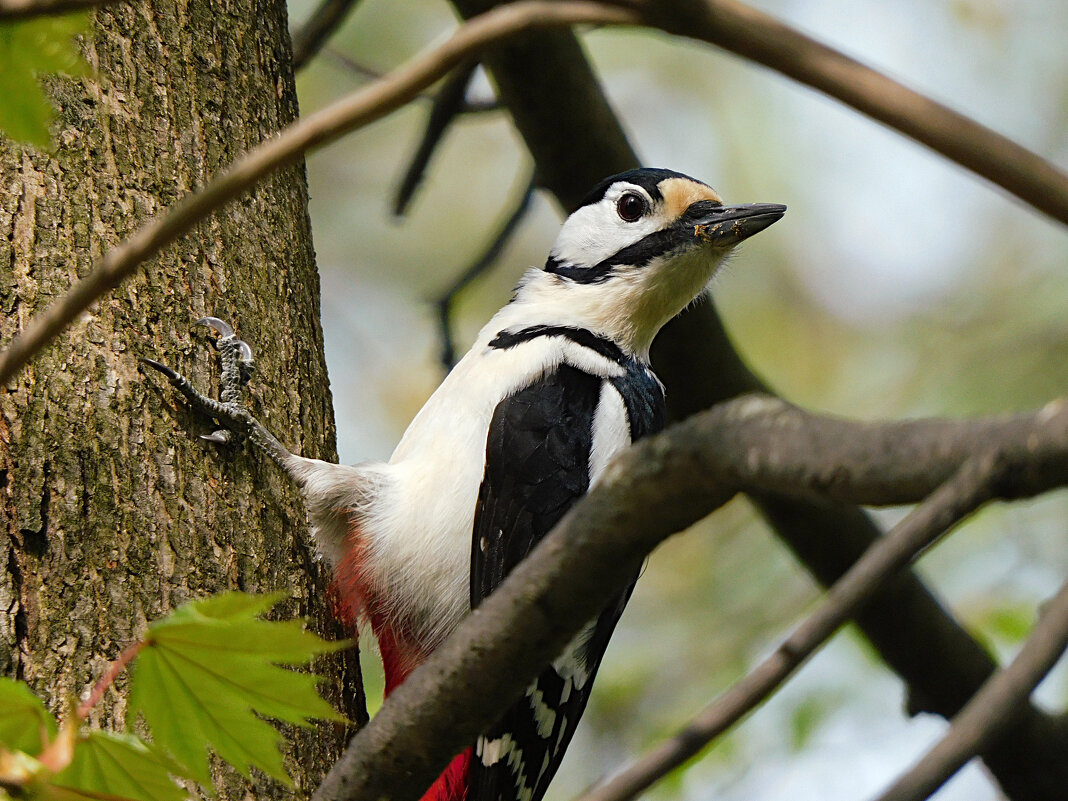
(631, 207)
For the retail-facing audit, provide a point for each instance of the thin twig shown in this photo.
(766, 40)
(995, 705)
(966, 491)
(352, 65)
(22, 9)
(318, 28)
(112, 673)
(485, 260)
(357, 109)
(448, 104)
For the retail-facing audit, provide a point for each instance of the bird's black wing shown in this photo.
(537, 466)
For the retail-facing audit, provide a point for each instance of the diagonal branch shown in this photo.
(448, 103)
(760, 37)
(993, 708)
(357, 109)
(485, 260)
(973, 485)
(309, 39)
(660, 486)
(350, 64)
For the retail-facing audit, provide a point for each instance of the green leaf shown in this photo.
(29, 49)
(209, 668)
(1011, 622)
(120, 765)
(806, 719)
(24, 721)
(233, 606)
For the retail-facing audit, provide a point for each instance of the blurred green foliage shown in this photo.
(30, 50)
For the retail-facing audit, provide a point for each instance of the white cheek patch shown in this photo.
(595, 233)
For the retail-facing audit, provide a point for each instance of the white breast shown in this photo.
(418, 531)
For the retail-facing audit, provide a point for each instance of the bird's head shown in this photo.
(640, 247)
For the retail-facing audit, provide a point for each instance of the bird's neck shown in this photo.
(543, 299)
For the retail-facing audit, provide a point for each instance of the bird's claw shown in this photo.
(236, 358)
(221, 327)
(226, 337)
(221, 436)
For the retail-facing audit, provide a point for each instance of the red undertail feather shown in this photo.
(349, 588)
(355, 597)
(397, 661)
(452, 784)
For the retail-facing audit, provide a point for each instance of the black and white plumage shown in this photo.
(556, 384)
(539, 453)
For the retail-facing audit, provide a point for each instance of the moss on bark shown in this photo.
(114, 513)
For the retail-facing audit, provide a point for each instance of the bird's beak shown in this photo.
(724, 226)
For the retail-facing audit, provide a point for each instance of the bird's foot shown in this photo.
(235, 357)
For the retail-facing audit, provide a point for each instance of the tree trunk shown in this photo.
(114, 512)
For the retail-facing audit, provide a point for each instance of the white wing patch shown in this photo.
(571, 664)
(491, 751)
(544, 715)
(611, 430)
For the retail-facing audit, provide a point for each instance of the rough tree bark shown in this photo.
(113, 514)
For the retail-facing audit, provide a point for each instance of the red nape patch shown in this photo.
(452, 784)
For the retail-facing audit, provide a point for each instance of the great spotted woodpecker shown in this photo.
(556, 384)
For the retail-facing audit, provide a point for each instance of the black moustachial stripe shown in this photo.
(676, 237)
(642, 394)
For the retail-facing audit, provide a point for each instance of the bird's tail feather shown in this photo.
(452, 784)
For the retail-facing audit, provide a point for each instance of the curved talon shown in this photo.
(244, 351)
(219, 437)
(228, 338)
(221, 327)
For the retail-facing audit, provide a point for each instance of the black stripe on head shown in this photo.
(648, 178)
(639, 254)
